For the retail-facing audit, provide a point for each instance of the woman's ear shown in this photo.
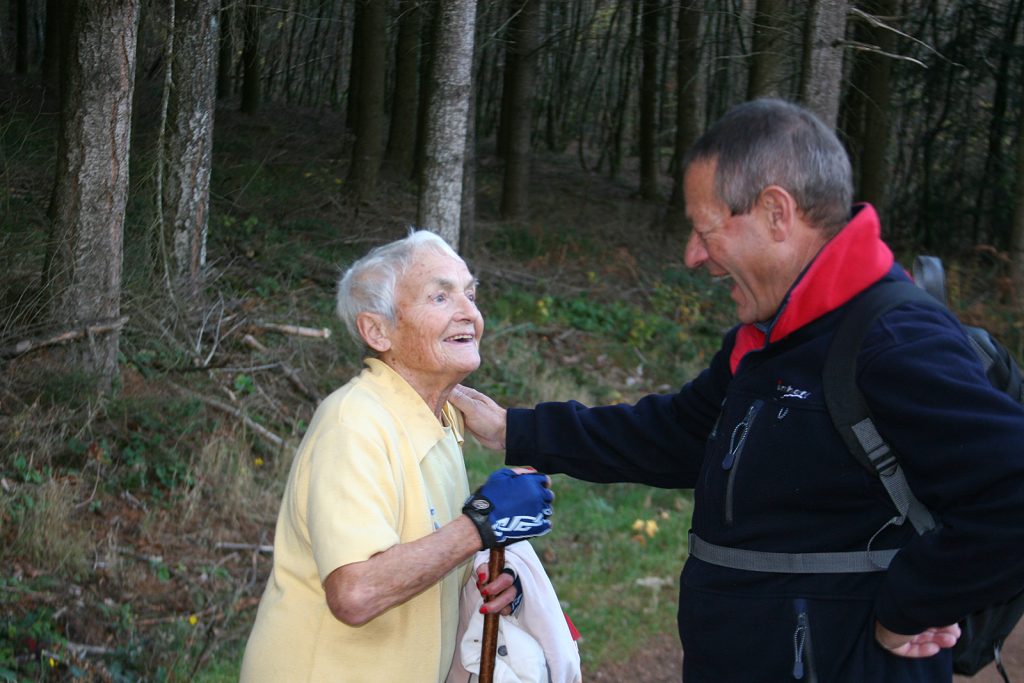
(374, 331)
(779, 207)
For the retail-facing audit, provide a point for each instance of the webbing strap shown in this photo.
(891, 475)
(856, 562)
(848, 408)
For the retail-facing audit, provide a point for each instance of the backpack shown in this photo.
(982, 633)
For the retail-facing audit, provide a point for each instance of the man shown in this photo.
(373, 536)
(767, 191)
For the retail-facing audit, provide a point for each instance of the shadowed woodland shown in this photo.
(181, 182)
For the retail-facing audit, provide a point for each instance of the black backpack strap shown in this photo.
(846, 404)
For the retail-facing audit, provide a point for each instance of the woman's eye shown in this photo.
(440, 298)
(471, 296)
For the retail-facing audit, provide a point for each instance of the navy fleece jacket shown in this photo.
(752, 437)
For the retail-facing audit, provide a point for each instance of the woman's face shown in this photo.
(435, 340)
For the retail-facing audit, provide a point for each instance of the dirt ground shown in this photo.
(661, 662)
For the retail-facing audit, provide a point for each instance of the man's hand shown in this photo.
(924, 644)
(485, 419)
(510, 506)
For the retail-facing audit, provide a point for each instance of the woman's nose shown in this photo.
(467, 307)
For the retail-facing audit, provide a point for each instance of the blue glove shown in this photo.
(510, 507)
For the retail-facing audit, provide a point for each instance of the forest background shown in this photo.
(181, 182)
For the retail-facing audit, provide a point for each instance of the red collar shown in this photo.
(850, 262)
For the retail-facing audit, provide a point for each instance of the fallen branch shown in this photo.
(81, 649)
(259, 429)
(290, 373)
(296, 330)
(258, 547)
(87, 330)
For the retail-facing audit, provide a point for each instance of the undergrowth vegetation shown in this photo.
(136, 529)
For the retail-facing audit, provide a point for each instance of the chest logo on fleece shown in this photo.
(786, 390)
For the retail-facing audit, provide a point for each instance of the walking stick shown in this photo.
(489, 645)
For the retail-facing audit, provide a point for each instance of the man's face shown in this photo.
(736, 247)
(435, 340)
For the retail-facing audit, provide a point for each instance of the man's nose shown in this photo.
(695, 254)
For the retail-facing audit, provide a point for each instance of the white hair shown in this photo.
(368, 286)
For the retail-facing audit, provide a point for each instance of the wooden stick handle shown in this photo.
(489, 646)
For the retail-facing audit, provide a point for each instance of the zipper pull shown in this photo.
(800, 636)
(739, 435)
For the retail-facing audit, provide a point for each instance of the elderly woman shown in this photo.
(376, 524)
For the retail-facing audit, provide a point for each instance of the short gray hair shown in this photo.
(368, 286)
(772, 142)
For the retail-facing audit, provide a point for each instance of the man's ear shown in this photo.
(780, 210)
(374, 331)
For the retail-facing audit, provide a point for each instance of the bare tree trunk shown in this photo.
(56, 21)
(402, 134)
(21, 22)
(432, 17)
(648, 141)
(875, 91)
(523, 44)
(467, 227)
(440, 200)
(821, 77)
(994, 159)
(251, 54)
(687, 106)
(1017, 238)
(83, 267)
(354, 67)
(767, 59)
(189, 142)
(620, 114)
(226, 56)
(369, 126)
(467, 221)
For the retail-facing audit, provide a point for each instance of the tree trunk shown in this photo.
(354, 68)
(523, 45)
(251, 54)
(83, 267)
(20, 36)
(619, 115)
(369, 126)
(687, 106)
(226, 56)
(822, 74)
(467, 222)
(995, 162)
(56, 21)
(440, 200)
(873, 80)
(767, 59)
(432, 18)
(1017, 237)
(405, 103)
(189, 142)
(648, 141)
